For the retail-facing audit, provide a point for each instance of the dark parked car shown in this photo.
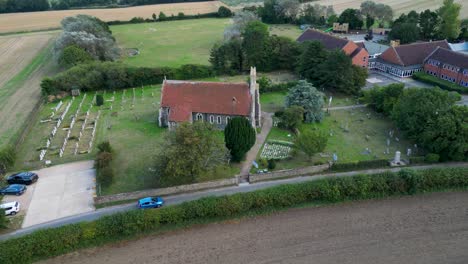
(23, 178)
(14, 189)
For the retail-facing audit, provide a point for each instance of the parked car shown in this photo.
(150, 202)
(11, 208)
(16, 189)
(23, 178)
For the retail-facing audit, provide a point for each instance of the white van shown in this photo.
(11, 208)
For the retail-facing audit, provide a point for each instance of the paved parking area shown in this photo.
(61, 191)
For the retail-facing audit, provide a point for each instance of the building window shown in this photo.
(465, 72)
(211, 119)
(199, 117)
(218, 119)
(227, 119)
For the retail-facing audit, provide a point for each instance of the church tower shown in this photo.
(255, 113)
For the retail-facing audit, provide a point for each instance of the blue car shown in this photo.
(14, 189)
(150, 202)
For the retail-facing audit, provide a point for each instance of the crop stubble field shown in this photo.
(22, 67)
(17, 22)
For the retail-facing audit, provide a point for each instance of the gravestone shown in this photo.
(75, 92)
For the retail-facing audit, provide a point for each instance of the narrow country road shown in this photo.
(422, 229)
(180, 198)
(252, 154)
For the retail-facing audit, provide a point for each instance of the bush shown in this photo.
(7, 158)
(271, 164)
(99, 100)
(266, 86)
(105, 146)
(3, 220)
(224, 12)
(445, 85)
(105, 176)
(74, 55)
(432, 158)
(417, 160)
(364, 164)
(36, 246)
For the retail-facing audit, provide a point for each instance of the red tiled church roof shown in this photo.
(412, 54)
(453, 58)
(186, 97)
(329, 42)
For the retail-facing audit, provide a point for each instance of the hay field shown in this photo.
(21, 70)
(399, 6)
(17, 22)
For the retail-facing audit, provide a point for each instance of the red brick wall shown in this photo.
(361, 59)
(459, 76)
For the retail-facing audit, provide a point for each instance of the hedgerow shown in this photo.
(52, 242)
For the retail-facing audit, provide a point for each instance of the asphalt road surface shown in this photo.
(430, 228)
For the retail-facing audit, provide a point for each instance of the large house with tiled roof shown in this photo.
(358, 54)
(214, 102)
(448, 65)
(404, 60)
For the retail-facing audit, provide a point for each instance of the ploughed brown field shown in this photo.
(17, 22)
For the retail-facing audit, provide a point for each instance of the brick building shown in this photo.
(358, 55)
(404, 60)
(448, 65)
(214, 102)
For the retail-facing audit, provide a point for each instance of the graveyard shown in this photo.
(354, 135)
(70, 128)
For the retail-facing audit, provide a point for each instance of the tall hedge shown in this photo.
(445, 85)
(239, 136)
(52, 242)
(113, 76)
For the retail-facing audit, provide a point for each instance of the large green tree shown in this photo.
(292, 117)
(311, 142)
(190, 152)
(305, 95)
(256, 44)
(382, 99)
(450, 19)
(429, 22)
(406, 32)
(239, 136)
(312, 55)
(353, 17)
(74, 55)
(447, 134)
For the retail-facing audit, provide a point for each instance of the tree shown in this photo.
(224, 12)
(382, 99)
(369, 21)
(288, 9)
(464, 31)
(283, 53)
(360, 75)
(269, 14)
(450, 20)
(429, 23)
(311, 142)
(7, 158)
(162, 16)
(239, 136)
(74, 55)
(228, 57)
(306, 96)
(3, 219)
(416, 107)
(447, 134)
(90, 34)
(337, 74)
(256, 44)
(189, 152)
(312, 55)
(405, 32)
(352, 17)
(331, 20)
(292, 117)
(239, 23)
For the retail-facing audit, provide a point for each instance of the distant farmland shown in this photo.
(17, 22)
(399, 6)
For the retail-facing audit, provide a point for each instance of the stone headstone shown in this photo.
(397, 158)
(408, 152)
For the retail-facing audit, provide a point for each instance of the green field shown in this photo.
(171, 43)
(174, 43)
(349, 146)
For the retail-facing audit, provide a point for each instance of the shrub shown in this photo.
(417, 160)
(7, 158)
(271, 164)
(239, 136)
(432, 158)
(105, 176)
(424, 77)
(364, 164)
(99, 100)
(224, 12)
(3, 220)
(105, 146)
(74, 55)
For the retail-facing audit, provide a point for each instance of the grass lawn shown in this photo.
(349, 146)
(286, 30)
(171, 43)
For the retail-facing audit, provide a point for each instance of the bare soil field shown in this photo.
(20, 75)
(17, 22)
(430, 228)
(399, 6)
